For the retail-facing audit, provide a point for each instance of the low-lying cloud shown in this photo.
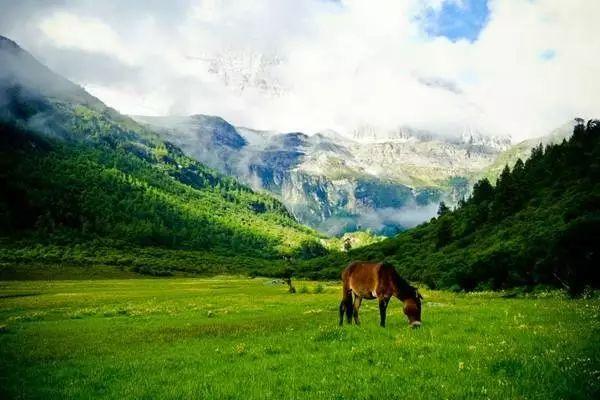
(404, 217)
(382, 220)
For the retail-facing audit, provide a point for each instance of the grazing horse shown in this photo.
(368, 280)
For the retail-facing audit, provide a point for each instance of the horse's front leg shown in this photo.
(383, 303)
(357, 302)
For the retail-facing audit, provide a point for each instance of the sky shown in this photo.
(504, 67)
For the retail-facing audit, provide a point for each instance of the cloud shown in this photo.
(522, 68)
(440, 83)
(386, 221)
(405, 217)
(70, 31)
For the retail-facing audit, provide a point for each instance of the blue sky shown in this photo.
(457, 19)
(547, 54)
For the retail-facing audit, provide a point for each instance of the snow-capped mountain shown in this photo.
(243, 70)
(469, 136)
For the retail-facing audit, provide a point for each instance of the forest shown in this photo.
(93, 182)
(539, 224)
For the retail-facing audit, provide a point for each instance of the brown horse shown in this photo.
(368, 280)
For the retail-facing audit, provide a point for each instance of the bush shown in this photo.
(319, 289)
(146, 270)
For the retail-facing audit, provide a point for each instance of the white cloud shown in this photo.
(330, 65)
(67, 30)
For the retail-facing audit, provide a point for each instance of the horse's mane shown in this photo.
(403, 286)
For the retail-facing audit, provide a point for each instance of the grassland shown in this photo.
(228, 337)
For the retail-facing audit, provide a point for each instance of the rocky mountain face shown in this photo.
(383, 180)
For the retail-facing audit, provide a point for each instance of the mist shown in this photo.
(387, 221)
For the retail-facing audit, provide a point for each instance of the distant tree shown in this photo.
(444, 233)
(310, 249)
(347, 244)
(504, 178)
(443, 209)
(518, 168)
(536, 153)
(286, 275)
(482, 191)
(504, 199)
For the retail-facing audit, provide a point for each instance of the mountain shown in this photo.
(383, 180)
(244, 70)
(469, 137)
(77, 177)
(540, 224)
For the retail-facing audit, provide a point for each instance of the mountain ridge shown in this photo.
(321, 177)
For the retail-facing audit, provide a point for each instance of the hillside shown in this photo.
(80, 179)
(540, 224)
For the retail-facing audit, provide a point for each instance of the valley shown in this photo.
(376, 179)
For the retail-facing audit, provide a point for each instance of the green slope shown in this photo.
(77, 173)
(539, 225)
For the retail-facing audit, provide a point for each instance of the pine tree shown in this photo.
(443, 209)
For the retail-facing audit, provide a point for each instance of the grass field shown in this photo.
(248, 338)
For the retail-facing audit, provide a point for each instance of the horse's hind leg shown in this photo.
(357, 301)
(346, 306)
(349, 307)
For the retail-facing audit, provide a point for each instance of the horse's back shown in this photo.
(362, 278)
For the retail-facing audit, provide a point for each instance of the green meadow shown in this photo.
(236, 337)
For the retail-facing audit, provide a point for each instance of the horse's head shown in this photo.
(412, 308)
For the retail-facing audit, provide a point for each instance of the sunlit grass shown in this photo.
(245, 338)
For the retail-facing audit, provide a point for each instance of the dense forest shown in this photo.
(74, 192)
(539, 224)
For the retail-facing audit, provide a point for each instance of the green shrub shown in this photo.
(319, 288)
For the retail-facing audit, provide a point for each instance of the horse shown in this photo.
(367, 280)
